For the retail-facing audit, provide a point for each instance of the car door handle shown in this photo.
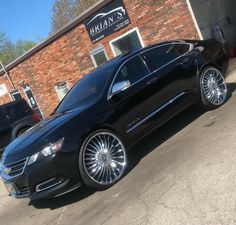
(153, 80)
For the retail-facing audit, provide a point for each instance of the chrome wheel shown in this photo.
(104, 158)
(214, 87)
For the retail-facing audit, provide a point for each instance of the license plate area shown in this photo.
(11, 188)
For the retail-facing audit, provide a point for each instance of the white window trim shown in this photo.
(16, 91)
(95, 51)
(55, 87)
(194, 19)
(123, 35)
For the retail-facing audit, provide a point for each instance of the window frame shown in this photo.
(57, 91)
(12, 93)
(144, 63)
(191, 46)
(109, 95)
(95, 51)
(123, 35)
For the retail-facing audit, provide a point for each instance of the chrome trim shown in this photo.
(120, 86)
(3, 167)
(109, 94)
(71, 189)
(48, 187)
(18, 195)
(104, 158)
(214, 86)
(155, 112)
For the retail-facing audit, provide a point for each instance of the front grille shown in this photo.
(14, 169)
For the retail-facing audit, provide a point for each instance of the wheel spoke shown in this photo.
(104, 158)
(214, 86)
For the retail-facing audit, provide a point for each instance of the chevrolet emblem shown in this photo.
(7, 171)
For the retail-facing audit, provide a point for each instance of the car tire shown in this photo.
(21, 131)
(102, 160)
(213, 88)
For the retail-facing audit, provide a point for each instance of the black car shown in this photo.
(85, 140)
(15, 118)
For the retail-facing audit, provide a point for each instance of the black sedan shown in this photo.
(85, 140)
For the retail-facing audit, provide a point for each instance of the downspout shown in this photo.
(7, 75)
(194, 19)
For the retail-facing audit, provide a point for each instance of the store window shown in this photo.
(15, 95)
(61, 88)
(99, 56)
(127, 42)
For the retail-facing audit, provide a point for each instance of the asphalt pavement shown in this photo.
(183, 173)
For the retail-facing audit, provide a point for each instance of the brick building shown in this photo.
(44, 74)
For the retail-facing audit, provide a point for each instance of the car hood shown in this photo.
(36, 137)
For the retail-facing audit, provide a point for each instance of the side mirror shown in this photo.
(120, 86)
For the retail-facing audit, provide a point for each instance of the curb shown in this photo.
(231, 77)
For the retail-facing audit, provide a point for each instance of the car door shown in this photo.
(173, 80)
(5, 129)
(133, 105)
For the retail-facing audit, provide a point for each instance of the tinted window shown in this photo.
(88, 89)
(133, 70)
(182, 48)
(160, 56)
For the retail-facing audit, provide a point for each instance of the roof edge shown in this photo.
(68, 27)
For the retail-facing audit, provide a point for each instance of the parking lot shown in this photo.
(183, 173)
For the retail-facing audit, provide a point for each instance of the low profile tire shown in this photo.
(102, 160)
(23, 130)
(213, 88)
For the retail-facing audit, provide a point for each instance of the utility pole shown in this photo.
(7, 75)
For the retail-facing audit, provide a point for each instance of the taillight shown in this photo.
(35, 117)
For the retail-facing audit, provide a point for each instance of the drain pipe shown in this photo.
(7, 75)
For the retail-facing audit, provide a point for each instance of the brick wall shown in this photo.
(67, 58)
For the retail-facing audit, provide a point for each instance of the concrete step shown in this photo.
(231, 77)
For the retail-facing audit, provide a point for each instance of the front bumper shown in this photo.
(53, 176)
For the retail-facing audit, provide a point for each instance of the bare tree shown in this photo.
(10, 51)
(82, 5)
(64, 11)
(3, 39)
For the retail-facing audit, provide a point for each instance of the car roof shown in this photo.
(118, 60)
(13, 103)
(124, 57)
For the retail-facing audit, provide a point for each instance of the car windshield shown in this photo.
(88, 89)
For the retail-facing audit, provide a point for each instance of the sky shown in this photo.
(25, 19)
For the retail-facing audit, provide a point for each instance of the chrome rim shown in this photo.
(214, 86)
(104, 158)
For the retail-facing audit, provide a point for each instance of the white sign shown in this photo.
(3, 89)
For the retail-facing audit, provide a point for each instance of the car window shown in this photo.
(87, 90)
(182, 48)
(133, 70)
(160, 56)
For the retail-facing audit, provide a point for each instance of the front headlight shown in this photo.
(47, 151)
